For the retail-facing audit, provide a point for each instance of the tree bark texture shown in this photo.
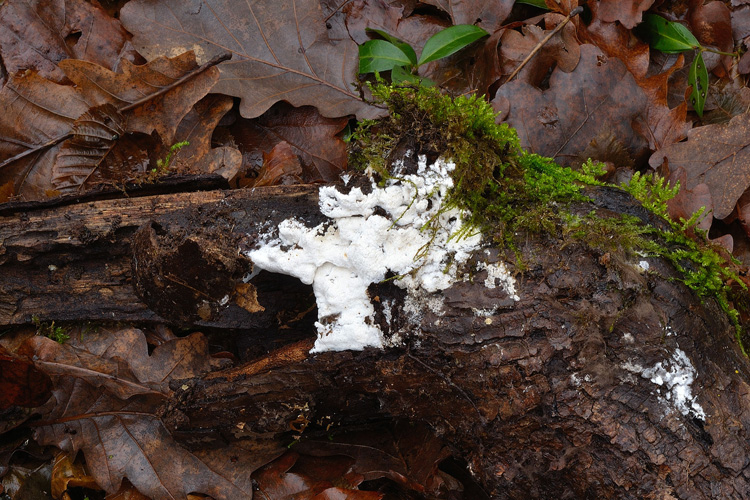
(545, 397)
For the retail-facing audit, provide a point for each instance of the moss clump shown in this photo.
(503, 188)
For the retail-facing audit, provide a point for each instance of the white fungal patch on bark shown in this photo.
(357, 247)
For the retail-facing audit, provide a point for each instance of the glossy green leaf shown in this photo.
(698, 78)
(400, 75)
(536, 3)
(450, 41)
(379, 55)
(666, 36)
(405, 47)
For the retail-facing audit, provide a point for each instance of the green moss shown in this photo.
(508, 193)
(502, 187)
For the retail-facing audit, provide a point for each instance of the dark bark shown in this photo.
(542, 398)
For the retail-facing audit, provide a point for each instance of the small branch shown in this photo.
(546, 39)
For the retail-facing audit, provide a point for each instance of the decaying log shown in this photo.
(73, 262)
(556, 395)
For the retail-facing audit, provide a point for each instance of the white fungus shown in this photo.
(358, 246)
(674, 378)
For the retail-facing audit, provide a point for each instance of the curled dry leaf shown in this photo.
(281, 51)
(95, 133)
(67, 474)
(561, 122)
(661, 125)
(99, 86)
(615, 40)
(295, 476)
(38, 34)
(36, 111)
(716, 155)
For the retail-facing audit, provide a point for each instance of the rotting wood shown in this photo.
(73, 262)
(542, 397)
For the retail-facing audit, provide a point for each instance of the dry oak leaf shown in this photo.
(281, 50)
(627, 12)
(661, 125)
(38, 34)
(35, 112)
(311, 136)
(21, 384)
(616, 40)
(125, 438)
(562, 49)
(99, 86)
(717, 155)
(561, 121)
(488, 15)
(38, 114)
(197, 128)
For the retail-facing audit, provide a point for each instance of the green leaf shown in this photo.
(536, 3)
(666, 36)
(400, 75)
(405, 47)
(379, 55)
(698, 78)
(450, 41)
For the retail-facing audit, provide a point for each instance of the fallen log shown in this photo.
(599, 381)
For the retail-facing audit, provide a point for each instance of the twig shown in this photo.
(573, 13)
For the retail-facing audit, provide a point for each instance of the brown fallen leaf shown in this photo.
(627, 12)
(312, 137)
(281, 51)
(562, 49)
(279, 164)
(688, 201)
(615, 40)
(661, 125)
(131, 84)
(197, 128)
(22, 384)
(408, 454)
(36, 111)
(58, 137)
(124, 438)
(560, 122)
(487, 15)
(67, 473)
(38, 34)
(285, 478)
(711, 24)
(716, 155)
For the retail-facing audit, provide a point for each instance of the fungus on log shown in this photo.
(604, 378)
